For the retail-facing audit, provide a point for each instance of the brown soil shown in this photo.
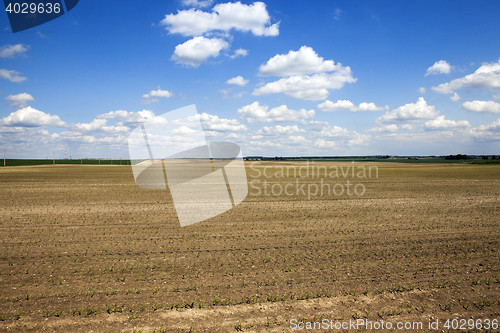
(84, 249)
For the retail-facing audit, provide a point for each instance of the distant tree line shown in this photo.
(465, 157)
(457, 157)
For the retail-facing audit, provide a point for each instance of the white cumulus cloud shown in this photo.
(329, 106)
(11, 75)
(410, 112)
(132, 119)
(486, 133)
(494, 126)
(279, 130)
(482, 106)
(444, 124)
(297, 140)
(184, 130)
(305, 75)
(19, 100)
(455, 97)
(96, 124)
(239, 53)
(439, 67)
(335, 136)
(254, 112)
(154, 95)
(100, 124)
(214, 123)
(158, 93)
(224, 17)
(485, 77)
(341, 136)
(320, 143)
(30, 117)
(196, 50)
(335, 131)
(302, 62)
(369, 107)
(307, 87)
(10, 51)
(384, 128)
(239, 80)
(92, 126)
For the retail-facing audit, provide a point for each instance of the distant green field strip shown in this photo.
(25, 162)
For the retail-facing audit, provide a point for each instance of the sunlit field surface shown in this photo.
(85, 249)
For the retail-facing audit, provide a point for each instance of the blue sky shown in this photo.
(281, 78)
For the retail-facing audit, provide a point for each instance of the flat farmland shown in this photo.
(84, 249)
